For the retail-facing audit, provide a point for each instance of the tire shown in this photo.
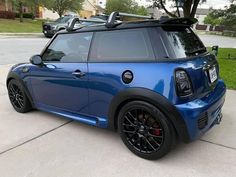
(17, 96)
(145, 130)
(47, 36)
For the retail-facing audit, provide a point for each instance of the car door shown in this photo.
(62, 82)
(115, 54)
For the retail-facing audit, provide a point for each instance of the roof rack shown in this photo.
(76, 19)
(112, 20)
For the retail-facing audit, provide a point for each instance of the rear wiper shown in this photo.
(196, 51)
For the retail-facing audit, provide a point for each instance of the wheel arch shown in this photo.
(162, 103)
(12, 75)
(61, 28)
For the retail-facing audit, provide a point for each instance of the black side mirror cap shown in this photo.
(36, 60)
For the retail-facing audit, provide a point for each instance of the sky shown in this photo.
(216, 4)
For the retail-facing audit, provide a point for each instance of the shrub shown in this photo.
(25, 15)
(7, 15)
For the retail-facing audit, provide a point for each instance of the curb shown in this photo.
(25, 35)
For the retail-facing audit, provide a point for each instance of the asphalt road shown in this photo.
(16, 50)
(221, 41)
(39, 144)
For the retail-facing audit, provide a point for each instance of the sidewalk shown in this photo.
(39, 144)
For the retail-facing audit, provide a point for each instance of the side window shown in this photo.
(69, 48)
(131, 45)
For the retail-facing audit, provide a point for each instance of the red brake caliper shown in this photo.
(156, 131)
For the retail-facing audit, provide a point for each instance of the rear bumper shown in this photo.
(209, 106)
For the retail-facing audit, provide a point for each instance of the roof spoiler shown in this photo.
(112, 20)
(76, 19)
(183, 21)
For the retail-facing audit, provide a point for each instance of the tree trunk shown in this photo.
(60, 14)
(164, 8)
(187, 8)
(194, 9)
(21, 11)
(6, 5)
(178, 13)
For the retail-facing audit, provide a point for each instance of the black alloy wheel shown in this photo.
(145, 130)
(17, 96)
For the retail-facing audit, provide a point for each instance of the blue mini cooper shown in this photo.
(153, 81)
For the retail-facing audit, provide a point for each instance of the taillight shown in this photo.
(183, 83)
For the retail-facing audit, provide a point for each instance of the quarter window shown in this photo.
(69, 48)
(131, 45)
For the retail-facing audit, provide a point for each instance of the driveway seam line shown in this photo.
(218, 144)
(36, 137)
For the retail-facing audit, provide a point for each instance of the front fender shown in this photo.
(153, 98)
(13, 75)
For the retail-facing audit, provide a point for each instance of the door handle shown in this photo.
(78, 73)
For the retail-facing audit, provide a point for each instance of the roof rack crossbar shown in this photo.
(111, 22)
(76, 19)
(135, 16)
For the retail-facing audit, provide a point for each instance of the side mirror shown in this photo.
(36, 60)
(215, 49)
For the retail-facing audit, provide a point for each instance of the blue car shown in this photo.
(152, 81)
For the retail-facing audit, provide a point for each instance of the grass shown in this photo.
(228, 66)
(14, 26)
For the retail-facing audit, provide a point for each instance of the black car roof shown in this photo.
(113, 24)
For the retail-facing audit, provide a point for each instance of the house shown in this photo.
(155, 12)
(201, 14)
(92, 7)
(6, 5)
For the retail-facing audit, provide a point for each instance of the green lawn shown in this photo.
(14, 26)
(228, 66)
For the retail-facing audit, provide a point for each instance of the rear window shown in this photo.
(131, 45)
(183, 42)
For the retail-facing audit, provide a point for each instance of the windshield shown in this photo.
(183, 41)
(63, 19)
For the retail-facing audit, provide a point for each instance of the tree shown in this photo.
(210, 19)
(61, 6)
(128, 6)
(226, 17)
(141, 10)
(19, 4)
(189, 7)
(214, 17)
(229, 17)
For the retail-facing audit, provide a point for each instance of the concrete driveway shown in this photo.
(39, 144)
